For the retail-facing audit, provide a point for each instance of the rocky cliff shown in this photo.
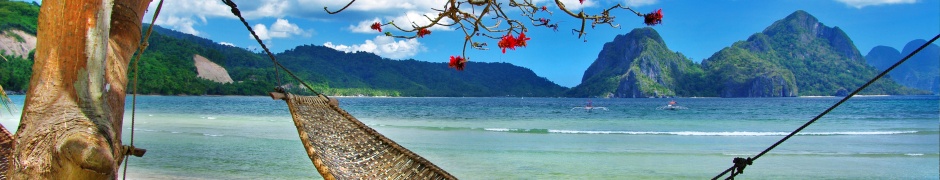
(14, 42)
(739, 73)
(797, 55)
(209, 70)
(637, 65)
(921, 71)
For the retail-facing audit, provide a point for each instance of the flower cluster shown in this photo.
(457, 63)
(653, 18)
(459, 16)
(423, 31)
(509, 42)
(376, 26)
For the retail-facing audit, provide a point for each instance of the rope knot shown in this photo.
(233, 6)
(740, 164)
(131, 150)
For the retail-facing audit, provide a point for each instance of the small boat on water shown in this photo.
(589, 107)
(671, 106)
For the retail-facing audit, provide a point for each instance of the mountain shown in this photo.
(882, 57)
(794, 56)
(414, 78)
(168, 67)
(921, 71)
(332, 72)
(638, 65)
(797, 55)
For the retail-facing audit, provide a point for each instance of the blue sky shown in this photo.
(696, 28)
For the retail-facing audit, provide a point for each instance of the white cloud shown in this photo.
(280, 29)
(572, 5)
(383, 46)
(404, 21)
(268, 8)
(261, 31)
(373, 5)
(184, 25)
(284, 29)
(185, 15)
(365, 26)
(638, 3)
(181, 14)
(862, 3)
(227, 44)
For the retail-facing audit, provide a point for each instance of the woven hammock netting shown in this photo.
(6, 151)
(342, 147)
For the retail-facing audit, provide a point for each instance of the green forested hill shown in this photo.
(414, 78)
(797, 55)
(167, 68)
(921, 71)
(19, 15)
(15, 70)
(639, 65)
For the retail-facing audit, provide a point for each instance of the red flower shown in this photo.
(457, 63)
(544, 8)
(653, 18)
(376, 26)
(520, 41)
(423, 31)
(507, 42)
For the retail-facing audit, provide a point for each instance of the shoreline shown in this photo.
(879, 95)
(697, 97)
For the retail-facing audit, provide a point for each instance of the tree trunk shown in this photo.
(72, 117)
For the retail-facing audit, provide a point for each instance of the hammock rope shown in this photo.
(741, 163)
(277, 64)
(131, 150)
(339, 145)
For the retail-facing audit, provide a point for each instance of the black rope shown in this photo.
(740, 163)
(270, 55)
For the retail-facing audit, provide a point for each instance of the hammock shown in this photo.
(6, 151)
(342, 147)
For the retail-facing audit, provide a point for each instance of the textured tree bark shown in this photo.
(73, 114)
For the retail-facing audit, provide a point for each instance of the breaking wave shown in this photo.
(698, 133)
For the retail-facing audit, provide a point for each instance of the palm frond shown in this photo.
(5, 101)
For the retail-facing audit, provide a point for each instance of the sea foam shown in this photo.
(700, 133)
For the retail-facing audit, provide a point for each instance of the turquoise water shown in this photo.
(875, 137)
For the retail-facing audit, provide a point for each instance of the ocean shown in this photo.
(239, 137)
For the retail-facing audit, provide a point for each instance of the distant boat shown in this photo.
(671, 106)
(589, 108)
